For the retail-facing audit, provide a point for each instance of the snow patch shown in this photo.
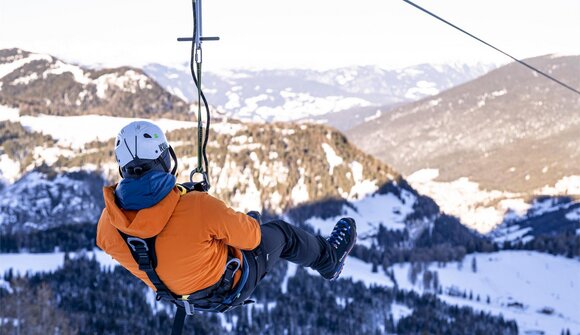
(295, 106)
(299, 192)
(362, 187)
(129, 81)
(423, 88)
(7, 68)
(333, 159)
(569, 185)
(9, 114)
(9, 168)
(464, 199)
(26, 79)
(484, 210)
(373, 117)
(399, 311)
(574, 215)
(23, 263)
(76, 131)
(60, 68)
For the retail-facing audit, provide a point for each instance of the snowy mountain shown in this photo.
(508, 130)
(488, 146)
(284, 95)
(40, 83)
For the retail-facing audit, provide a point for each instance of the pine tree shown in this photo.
(436, 285)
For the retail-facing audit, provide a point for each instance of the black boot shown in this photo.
(342, 239)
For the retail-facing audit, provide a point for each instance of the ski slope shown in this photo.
(540, 291)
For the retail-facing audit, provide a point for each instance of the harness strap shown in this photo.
(143, 251)
(178, 321)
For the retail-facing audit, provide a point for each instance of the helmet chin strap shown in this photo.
(174, 156)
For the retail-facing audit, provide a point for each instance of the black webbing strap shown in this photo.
(143, 251)
(178, 321)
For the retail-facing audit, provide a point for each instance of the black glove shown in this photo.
(255, 215)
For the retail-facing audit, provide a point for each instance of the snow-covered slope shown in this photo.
(282, 95)
(76, 131)
(540, 291)
(484, 210)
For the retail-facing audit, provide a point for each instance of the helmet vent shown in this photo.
(118, 142)
(146, 135)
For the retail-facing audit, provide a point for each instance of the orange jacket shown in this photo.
(194, 231)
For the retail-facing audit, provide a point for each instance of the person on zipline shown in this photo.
(204, 250)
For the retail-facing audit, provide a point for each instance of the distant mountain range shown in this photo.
(287, 95)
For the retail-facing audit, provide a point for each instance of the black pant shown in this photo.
(281, 240)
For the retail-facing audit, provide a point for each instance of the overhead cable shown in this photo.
(495, 48)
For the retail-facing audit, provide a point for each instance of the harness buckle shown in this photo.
(140, 242)
(235, 261)
(189, 307)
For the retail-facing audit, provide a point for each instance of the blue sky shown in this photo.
(286, 34)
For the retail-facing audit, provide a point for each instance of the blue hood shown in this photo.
(144, 192)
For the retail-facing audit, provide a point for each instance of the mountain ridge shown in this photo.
(40, 83)
(263, 95)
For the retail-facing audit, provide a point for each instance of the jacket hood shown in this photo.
(144, 223)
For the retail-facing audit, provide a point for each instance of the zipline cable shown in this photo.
(196, 57)
(495, 48)
(195, 68)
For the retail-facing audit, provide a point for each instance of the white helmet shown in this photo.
(141, 146)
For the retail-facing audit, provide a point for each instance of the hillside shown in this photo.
(39, 83)
(509, 130)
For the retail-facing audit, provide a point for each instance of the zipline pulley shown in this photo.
(202, 168)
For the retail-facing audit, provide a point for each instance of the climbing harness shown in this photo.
(219, 298)
(195, 69)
